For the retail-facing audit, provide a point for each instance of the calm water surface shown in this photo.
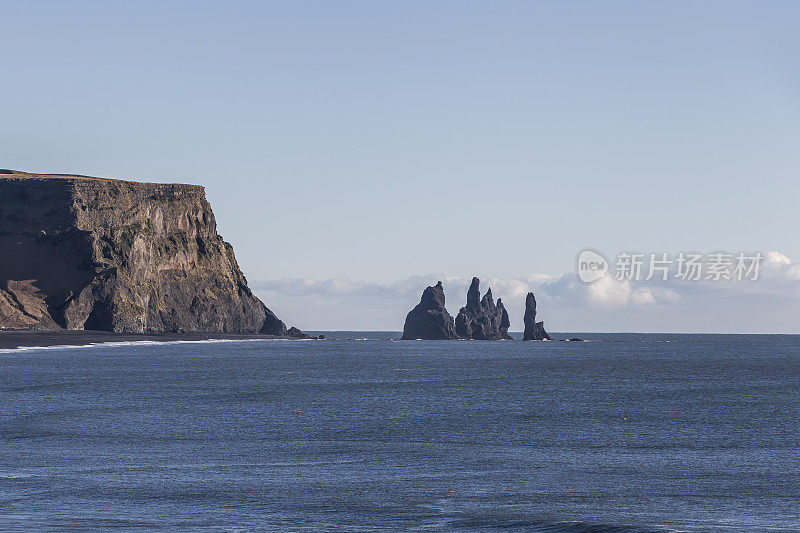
(365, 433)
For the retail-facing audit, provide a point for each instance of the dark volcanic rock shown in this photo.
(534, 331)
(273, 325)
(481, 319)
(429, 319)
(100, 254)
(296, 333)
(505, 322)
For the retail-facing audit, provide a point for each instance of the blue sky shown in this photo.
(377, 141)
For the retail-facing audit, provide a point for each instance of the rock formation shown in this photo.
(93, 253)
(505, 321)
(534, 331)
(429, 319)
(297, 334)
(481, 319)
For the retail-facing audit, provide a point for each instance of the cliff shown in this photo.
(429, 319)
(481, 319)
(534, 331)
(92, 253)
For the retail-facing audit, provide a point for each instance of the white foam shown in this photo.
(120, 344)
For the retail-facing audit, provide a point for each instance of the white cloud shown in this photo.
(607, 291)
(777, 257)
(771, 303)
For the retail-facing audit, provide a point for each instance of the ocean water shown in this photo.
(366, 433)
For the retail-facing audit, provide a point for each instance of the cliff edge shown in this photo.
(101, 254)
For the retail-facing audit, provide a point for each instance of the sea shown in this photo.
(364, 432)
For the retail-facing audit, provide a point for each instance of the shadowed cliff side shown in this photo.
(101, 254)
(429, 319)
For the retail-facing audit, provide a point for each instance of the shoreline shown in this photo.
(14, 339)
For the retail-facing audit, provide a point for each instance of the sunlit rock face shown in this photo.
(93, 253)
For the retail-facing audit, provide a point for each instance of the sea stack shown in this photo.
(534, 331)
(101, 254)
(481, 319)
(430, 320)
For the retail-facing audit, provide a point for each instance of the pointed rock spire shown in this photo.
(430, 319)
(481, 319)
(534, 331)
(505, 322)
(474, 293)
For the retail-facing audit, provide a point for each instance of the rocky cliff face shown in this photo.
(534, 331)
(429, 319)
(481, 319)
(92, 253)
